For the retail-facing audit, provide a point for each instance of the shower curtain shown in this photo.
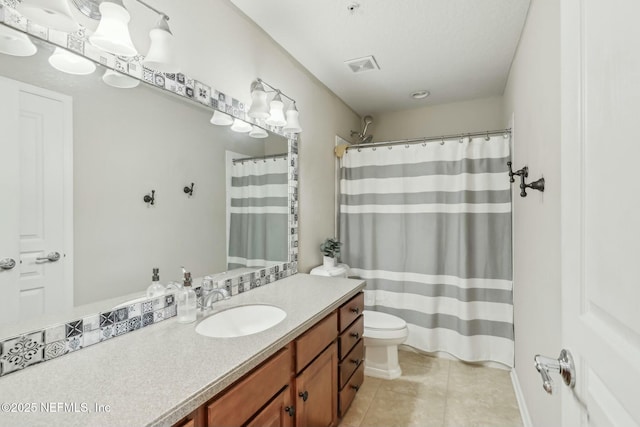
(259, 214)
(428, 226)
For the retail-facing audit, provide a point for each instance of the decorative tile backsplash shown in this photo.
(17, 353)
(32, 348)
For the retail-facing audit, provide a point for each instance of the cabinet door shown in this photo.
(241, 401)
(278, 413)
(317, 391)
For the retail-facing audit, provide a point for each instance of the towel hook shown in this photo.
(150, 199)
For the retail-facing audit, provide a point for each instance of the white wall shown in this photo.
(533, 96)
(221, 46)
(435, 120)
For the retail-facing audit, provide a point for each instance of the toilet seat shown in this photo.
(384, 326)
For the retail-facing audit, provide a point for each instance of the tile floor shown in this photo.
(436, 392)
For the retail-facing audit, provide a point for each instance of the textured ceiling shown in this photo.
(456, 49)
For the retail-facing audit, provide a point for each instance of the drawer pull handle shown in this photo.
(290, 410)
(304, 395)
(355, 387)
(356, 362)
(356, 335)
(356, 310)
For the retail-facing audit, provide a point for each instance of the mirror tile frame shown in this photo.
(32, 347)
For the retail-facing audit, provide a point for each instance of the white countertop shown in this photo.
(158, 374)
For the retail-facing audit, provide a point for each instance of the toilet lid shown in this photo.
(378, 320)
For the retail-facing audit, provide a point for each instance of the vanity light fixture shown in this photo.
(54, 14)
(221, 119)
(241, 126)
(273, 113)
(112, 34)
(257, 132)
(15, 43)
(119, 80)
(70, 63)
(162, 56)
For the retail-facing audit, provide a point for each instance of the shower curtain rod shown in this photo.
(432, 139)
(272, 156)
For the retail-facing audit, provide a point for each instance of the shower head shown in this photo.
(362, 137)
(367, 140)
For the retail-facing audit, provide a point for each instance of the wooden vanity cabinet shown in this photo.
(350, 351)
(306, 384)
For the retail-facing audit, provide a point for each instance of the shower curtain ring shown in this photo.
(487, 138)
(389, 147)
(406, 146)
(374, 148)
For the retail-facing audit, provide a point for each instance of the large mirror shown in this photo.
(127, 143)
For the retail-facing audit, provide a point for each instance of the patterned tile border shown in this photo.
(34, 347)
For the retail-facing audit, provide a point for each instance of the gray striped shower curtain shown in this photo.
(259, 213)
(428, 226)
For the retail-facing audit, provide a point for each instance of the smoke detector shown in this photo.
(360, 65)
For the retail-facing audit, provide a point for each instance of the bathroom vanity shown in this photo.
(303, 371)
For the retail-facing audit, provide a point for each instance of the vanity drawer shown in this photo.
(350, 363)
(316, 339)
(349, 391)
(350, 337)
(242, 400)
(350, 310)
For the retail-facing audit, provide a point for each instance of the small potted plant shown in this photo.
(331, 251)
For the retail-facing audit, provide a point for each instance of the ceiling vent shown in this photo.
(360, 65)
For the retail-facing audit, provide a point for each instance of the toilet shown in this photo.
(382, 334)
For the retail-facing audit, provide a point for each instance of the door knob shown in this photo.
(563, 365)
(52, 257)
(290, 410)
(304, 395)
(7, 263)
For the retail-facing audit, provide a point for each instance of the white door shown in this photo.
(36, 202)
(601, 210)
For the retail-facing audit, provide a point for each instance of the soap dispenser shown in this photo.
(187, 301)
(156, 289)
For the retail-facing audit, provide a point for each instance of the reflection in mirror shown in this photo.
(126, 143)
(258, 211)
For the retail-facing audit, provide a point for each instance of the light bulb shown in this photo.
(15, 43)
(276, 113)
(161, 56)
(112, 34)
(241, 126)
(293, 124)
(70, 63)
(259, 107)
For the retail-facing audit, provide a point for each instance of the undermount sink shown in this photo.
(240, 321)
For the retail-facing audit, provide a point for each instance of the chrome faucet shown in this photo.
(208, 299)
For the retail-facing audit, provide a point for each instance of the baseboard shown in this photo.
(524, 412)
